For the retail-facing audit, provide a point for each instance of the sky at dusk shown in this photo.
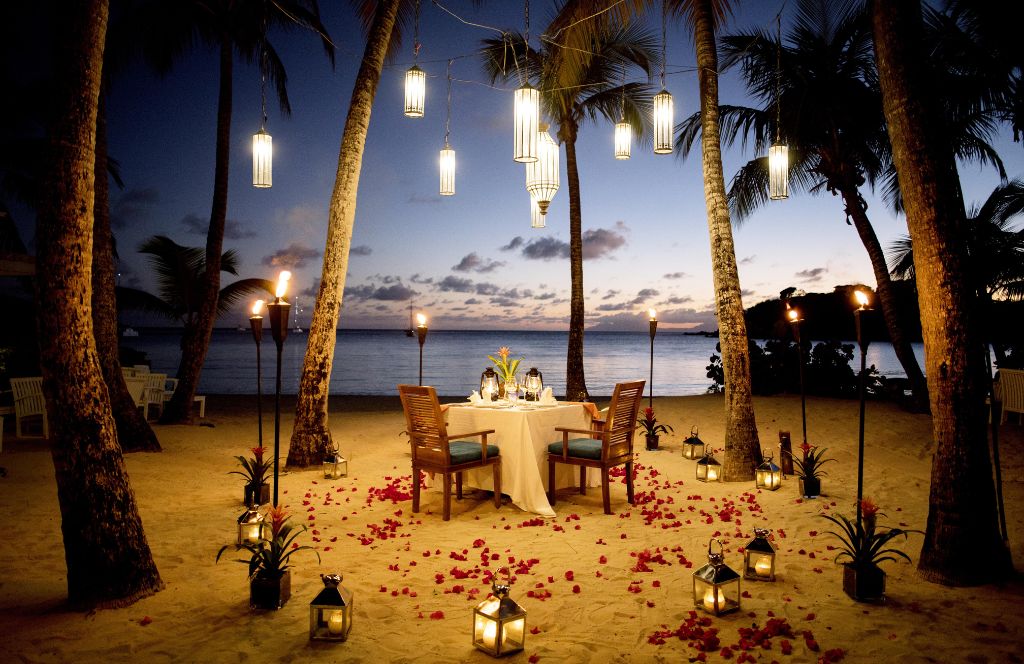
(470, 261)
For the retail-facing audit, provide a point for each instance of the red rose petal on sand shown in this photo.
(145, 620)
(533, 659)
(437, 615)
(576, 589)
(535, 630)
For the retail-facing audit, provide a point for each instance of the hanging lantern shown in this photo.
(708, 468)
(262, 159)
(768, 475)
(250, 526)
(623, 139)
(499, 624)
(534, 384)
(778, 172)
(335, 465)
(526, 120)
(447, 171)
(663, 123)
(489, 385)
(330, 612)
(716, 586)
(759, 557)
(542, 176)
(693, 447)
(415, 91)
(537, 220)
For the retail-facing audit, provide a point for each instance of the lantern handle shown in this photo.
(693, 431)
(762, 532)
(721, 549)
(767, 454)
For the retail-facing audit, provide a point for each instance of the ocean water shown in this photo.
(375, 361)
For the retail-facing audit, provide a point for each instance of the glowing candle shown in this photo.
(335, 623)
(763, 567)
(490, 634)
(709, 600)
(653, 314)
(712, 474)
(252, 533)
(862, 298)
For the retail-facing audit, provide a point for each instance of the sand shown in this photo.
(596, 588)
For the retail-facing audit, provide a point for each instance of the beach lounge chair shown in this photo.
(155, 385)
(29, 402)
(434, 451)
(1011, 392)
(610, 446)
(137, 390)
(171, 384)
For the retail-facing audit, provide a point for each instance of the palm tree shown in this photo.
(577, 85)
(742, 448)
(109, 562)
(962, 542)
(822, 85)
(168, 27)
(311, 437)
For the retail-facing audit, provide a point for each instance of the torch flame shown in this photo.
(257, 307)
(653, 313)
(861, 297)
(421, 320)
(793, 314)
(282, 283)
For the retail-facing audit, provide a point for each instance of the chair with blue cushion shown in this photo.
(435, 451)
(605, 447)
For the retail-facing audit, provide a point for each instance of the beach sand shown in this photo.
(596, 588)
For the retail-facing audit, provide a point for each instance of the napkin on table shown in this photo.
(547, 397)
(474, 398)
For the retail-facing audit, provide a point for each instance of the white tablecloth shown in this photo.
(523, 434)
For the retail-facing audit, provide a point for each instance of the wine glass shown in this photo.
(512, 388)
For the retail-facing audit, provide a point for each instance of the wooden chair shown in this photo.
(1011, 392)
(605, 447)
(435, 451)
(29, 402)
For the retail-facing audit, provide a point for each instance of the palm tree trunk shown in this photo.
(742, 448)
(962, 543)
(108, 559)
(886, 296)
(311, 437)
(196, 334)
(133, 431)
(575, 380)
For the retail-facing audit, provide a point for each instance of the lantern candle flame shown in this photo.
(282, 283)
(793, 314)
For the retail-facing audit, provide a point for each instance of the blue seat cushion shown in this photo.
(464, 451)
(584, 448)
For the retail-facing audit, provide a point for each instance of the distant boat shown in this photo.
(298, 312)
(130, 332)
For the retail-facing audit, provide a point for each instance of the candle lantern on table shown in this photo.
(768, 475)
(693, 447)
(716, 586)
(489, 385)
(499, 624)
(279, 310)
(250, 526)
(534, 384)
(759, 557)
(421, 334)
(708, 467)
(256, 324)
(335, 465)
(330, 612)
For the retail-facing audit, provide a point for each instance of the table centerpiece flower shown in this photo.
(505, 369)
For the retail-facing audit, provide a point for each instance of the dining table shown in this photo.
(523, 432)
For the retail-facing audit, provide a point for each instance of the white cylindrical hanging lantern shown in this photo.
(262, 159)
(542, 176)
(415, 91)
(537, 220)
(663, 123)
(778, 172)
(447, 163)
(526, 121)
(623, 139)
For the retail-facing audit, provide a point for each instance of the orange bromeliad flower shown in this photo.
(504, 352)
(278, 515)
(868, 507)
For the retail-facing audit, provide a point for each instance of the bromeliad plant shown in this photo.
(269, 558)
(649, 423)
(254, 471)
(864, 546)
(809, 468)
(506, 370)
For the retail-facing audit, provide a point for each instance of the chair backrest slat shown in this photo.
(618, 437)
(425, 424)
(1011, 386)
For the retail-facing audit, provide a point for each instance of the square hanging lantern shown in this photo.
(663, 123)
(537, 220)
(330, 612)
(623, 139)
(499, 624)
(759, 557)
(768, 475)
(415, 91)
(250, 526)
(693, 447)
(716, 586)
(542, 175)
(447, 163)
(525, 122)
(335, 465)
(262, 159)
(778, 172)
(708, 468)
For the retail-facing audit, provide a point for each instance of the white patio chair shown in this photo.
(137, 390)
(171, 384)
(29, 402)
(155, 385)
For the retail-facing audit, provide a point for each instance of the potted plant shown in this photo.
(254, 470)
(863, 547)
(808, 469)
(649, 423)
(506, 370)
(270, 580)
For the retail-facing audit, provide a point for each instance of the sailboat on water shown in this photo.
(298, 313)
(409, 332)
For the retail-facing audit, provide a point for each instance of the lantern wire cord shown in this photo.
(462, 20)
(778, 79)
(263, 71)
(320, 33)
(416, 35)
(664, 34)
(448, 119)
(583, 20)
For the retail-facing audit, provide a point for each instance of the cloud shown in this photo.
(746, 293)
(675, 299)
(361, 250)
(393, 293)
(618, 306)
(233, 229)
(417, 279)
(546, 248)
(813, 274)
(676, 275)
(472, 300)
(601, 242)
(303, 220)
(133, 206)
(610, 294)
(473, 263)
(643, 295)
(291, 257)
(452, 284)
(747, 260)
(513, 244)
(597, 243)
(544, 296)
(485, 288)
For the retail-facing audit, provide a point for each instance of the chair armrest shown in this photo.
(592, 431)
(470, 435)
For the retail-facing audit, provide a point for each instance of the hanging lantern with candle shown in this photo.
(499, 624)
(526, 120)
(768, 475)
(415, 92)
(759, 557)
(489, 385)
(716, 586)
(330, 612)
(623, 139)
(537, 220)
(335, 465)
(708, 468)
(250, 527)
(542, 175)
(778, 172)
(534, 384)
(663, 123)
(262, 159)
(693, 447)
(447, 163)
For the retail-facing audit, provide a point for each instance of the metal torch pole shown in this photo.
(256, 323)
(279, 310)
(863, 343)
(650, 385)
(421, 333)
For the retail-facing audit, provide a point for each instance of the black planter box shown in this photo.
(865, 584)
(652, 442)
(810, 487)
(262, 497)
(268, 593)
